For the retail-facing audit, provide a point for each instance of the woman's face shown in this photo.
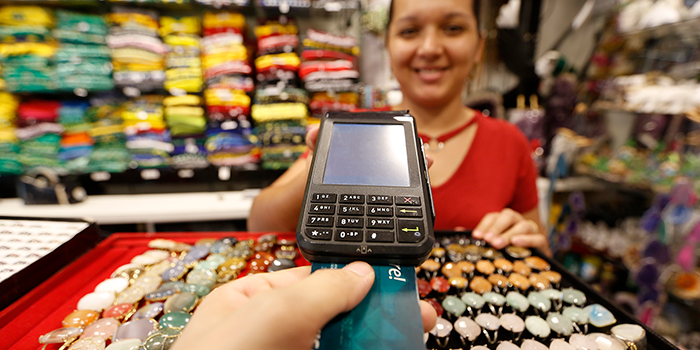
(433, 46)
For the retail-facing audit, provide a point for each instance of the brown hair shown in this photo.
(476, 4)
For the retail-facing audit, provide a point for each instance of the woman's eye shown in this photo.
(408, 32)
(454, 30)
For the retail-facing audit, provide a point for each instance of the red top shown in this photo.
(497, 172)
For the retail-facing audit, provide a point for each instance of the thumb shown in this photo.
(331, 292)
(311, 137)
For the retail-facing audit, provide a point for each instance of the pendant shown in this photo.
(438, 148)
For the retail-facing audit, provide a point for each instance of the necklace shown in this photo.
(445, 137)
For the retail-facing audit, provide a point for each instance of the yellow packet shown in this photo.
(282, 59)
(182, 40)
(278, 111)
(226, 97)
(186, 25)
(187, 100)
(280, 29)
(224, 19)
(26, 15)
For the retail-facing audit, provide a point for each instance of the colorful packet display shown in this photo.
(281, 143)
(277, 61)
(76, 144)
(110, 153)
(137, 51)
(280, 108)
(225, 59)
(224, 104)
(26, 47)
(222, 3)
(231, 143)
(189, 153)
(147, 137)
(187, 122)
(39, 134)
(227, 71)
(9, 144)
(183, 64)
(324, 102)
(83, 62)
(329, 71)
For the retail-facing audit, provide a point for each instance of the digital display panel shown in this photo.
(367, 154)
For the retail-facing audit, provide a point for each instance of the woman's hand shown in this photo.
(280, 310)
(508, 227)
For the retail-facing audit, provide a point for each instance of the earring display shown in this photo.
(137, 290)
(517, 298)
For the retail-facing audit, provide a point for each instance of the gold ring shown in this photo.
(535, 226)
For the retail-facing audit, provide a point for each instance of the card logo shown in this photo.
(395, 273)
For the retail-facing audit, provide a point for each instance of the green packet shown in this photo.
(80, 22)
(109, 166)
(87, 82)
(74, 37)
(276, 165)
(31, 160)
(68, 52)
(9, 34)
(10, 166)
(7, 148)
(33, 86)
(21, 72)
(26, 61)
(100, 67)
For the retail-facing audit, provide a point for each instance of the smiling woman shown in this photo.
(482, 176)
(433, 48)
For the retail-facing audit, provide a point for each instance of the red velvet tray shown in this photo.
(42, 309)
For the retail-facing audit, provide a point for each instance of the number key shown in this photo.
(322, 209)
(349, 222)
(351, 209)
(323, 197)
(380, 211)
(377, 199)
(352, 198)
(321, 221)
(349, 235)
(380, 223)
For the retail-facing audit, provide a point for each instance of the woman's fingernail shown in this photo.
(498, 243)
(488, 236)
(362, 269)
(477, 234)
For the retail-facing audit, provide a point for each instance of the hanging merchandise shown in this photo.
(222, 3)
(187, 123)
(277, 62)
(183, 64)
(280, 108)
(26, 49)
(137, 51)
(330, 62)
(39, 134)
(110, 153)
(147, 137)
(231, 143)
(224, 57)
(9, 144)
(83, 61)
(227, 72)
(76, 142)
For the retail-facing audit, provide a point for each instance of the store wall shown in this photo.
(555, 18)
